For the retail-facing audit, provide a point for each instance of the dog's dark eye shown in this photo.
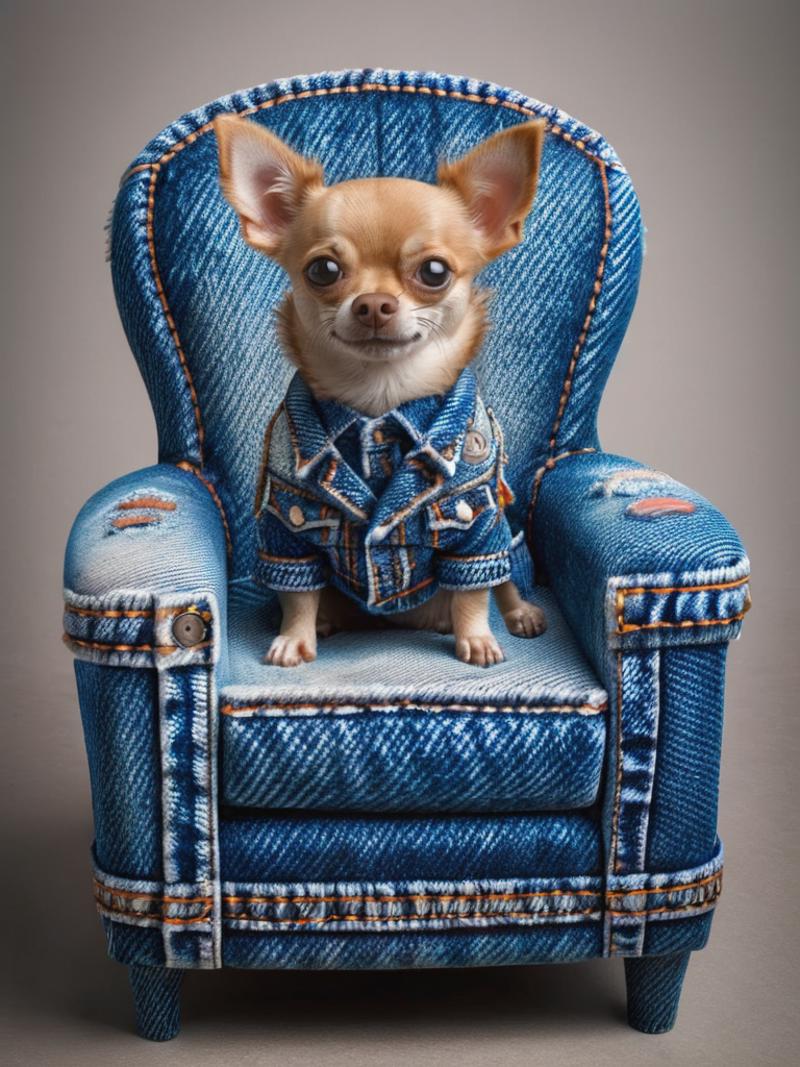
(434, 273)
(323, 271)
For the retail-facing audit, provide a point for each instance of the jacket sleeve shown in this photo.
(475, 556)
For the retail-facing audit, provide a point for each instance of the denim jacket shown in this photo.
(386, 509)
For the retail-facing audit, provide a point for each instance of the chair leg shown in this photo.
(654, 989)
(157, 999)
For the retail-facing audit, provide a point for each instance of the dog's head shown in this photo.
(381, 268)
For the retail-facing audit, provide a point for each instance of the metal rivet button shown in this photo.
(476, 447)
(296, 516)
(188, 629)
(464, 511)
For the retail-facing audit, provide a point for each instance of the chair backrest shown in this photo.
(197, 304)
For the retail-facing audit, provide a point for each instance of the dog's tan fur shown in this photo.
(380, 231)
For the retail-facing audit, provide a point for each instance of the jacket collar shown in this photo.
(436, 427)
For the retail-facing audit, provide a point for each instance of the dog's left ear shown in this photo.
(497, 181)
(263, 180)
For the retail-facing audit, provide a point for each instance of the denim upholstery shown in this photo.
(387, 806)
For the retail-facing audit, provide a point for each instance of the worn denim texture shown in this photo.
(388, 509)
(386, 805)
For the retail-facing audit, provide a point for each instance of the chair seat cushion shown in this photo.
(391, 721)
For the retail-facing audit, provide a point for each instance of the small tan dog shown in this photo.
(383, 310)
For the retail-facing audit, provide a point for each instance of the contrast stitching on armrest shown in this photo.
(628, 628)
(617, 776)
(184, 465)
(108, 613)
(631, 627)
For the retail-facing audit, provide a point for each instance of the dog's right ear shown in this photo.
(262, 179)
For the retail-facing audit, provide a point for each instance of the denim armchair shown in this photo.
(388, 806)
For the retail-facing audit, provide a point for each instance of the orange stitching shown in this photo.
(566, 389)
(287, 487)
(405, 592)
(184, 465)
(166, 613)
(262, 471)
(144, 613)
(285, 559)
(587, 322)
(395, 899)
(402, 897)
(136, 895)
(156, 918)
(234, 709)
(658, 911)
(151, 244)
(134, 520)
(412, 918)
(630, 590)
(630, 627)
(104, 646)
(147, 502)
(337, 90)
(618, 777)
(549, 463)
(625, 591)
(328, 479)
(665, 889)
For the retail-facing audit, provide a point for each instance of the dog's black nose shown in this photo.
(374, 309)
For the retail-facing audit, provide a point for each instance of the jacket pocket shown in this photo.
(301, 513)
(461, 510)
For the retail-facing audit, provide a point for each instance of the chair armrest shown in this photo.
(637, 560)
(653, 581)
(145, 587)
(144, 551)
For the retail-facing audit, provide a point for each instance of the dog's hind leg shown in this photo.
(522, 618)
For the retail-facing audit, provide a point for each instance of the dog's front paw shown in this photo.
(480, 649)
(289, 651)
(525, 621)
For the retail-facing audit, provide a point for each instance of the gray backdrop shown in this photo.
(698, 98)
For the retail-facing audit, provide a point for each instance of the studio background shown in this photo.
(698, 99)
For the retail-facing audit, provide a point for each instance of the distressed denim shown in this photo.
(415, 503)
(386, 805)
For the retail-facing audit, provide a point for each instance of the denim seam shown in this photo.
(190, 468)
(162, 297)
(117, 900)
(597, 288)
(623, 592)
(566, 389)
(548, 465)
(267, 710)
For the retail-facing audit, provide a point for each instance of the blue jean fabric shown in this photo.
(414, 504)
(387, 806)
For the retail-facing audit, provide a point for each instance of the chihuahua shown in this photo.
(382, 310)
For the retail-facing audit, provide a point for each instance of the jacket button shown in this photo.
(476, 447)
(464, 511)
(188, 629)
(296, 516)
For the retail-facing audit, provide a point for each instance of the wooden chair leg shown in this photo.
(654, 989)
(157, 999)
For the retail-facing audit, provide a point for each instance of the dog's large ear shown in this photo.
(497, 181)
(263, 180)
